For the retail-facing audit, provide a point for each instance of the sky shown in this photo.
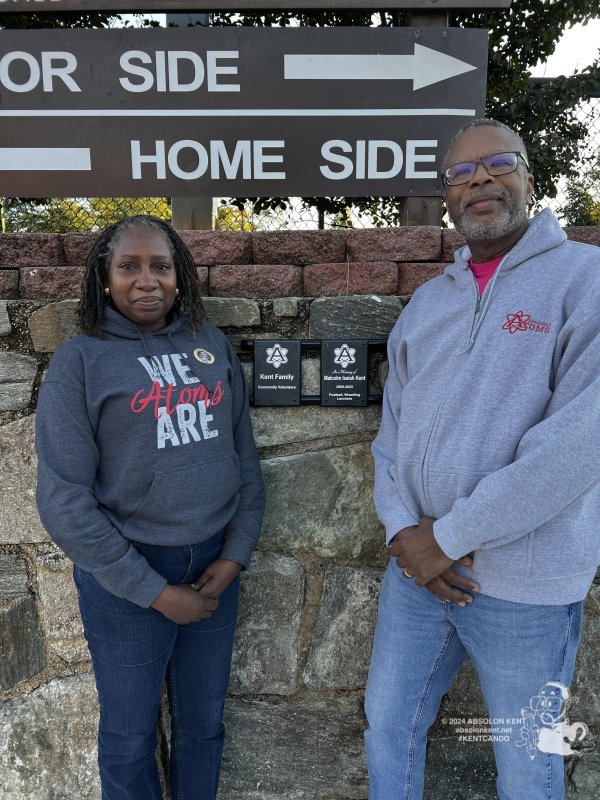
(578, 47)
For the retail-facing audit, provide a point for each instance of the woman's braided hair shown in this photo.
(95, 279)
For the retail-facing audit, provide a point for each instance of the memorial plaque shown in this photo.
(344, 366)
(277, 372)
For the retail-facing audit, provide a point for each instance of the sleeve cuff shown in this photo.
(238, 550)
(143, 591)
(445, 535)
(398, 524)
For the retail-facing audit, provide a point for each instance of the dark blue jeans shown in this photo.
(134, 650)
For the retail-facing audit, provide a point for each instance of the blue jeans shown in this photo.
(134, 650)
(420, 644)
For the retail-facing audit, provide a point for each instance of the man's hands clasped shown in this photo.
(186, 603)
(419, 556)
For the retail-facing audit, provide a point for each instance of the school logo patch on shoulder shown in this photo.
(203, 356)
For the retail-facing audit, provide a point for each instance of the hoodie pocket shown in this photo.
(200, 497)
(510, 559)
(566, 545)
(445, 487)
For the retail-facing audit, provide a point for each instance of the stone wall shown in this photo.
(309, 599)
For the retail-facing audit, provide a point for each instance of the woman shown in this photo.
(149, 481)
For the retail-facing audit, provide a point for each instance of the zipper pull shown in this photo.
(478, 304)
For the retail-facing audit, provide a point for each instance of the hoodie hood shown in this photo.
(115, 324)
(543, 234)
(118, 326)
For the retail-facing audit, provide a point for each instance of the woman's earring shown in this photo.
(107, 292)
(176, 292)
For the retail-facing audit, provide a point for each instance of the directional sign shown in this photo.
(234, 111)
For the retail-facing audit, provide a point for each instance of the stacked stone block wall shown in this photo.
(308, 601)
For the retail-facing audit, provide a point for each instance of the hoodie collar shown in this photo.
(120, 327)
(115, 324)
(543, 234)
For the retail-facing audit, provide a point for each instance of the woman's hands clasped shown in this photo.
(185, 603)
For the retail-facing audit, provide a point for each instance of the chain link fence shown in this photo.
(577, 203)
(578, 199)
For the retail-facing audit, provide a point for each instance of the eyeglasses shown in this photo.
(498, 164)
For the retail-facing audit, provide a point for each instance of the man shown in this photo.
(487, 475)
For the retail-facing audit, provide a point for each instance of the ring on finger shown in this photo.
(406, 574)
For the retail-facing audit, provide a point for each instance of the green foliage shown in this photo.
(232, 218)
(71, 19)
(62, 216)
(582, 206)
(64, 20)
(543, 113)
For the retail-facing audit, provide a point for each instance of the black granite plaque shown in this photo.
(277, 372)
(344, 373)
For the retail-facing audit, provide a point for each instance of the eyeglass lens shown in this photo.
(498, 164)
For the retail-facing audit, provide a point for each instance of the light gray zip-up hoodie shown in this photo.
(491, 418)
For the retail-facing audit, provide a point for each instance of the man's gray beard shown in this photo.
(513, 215)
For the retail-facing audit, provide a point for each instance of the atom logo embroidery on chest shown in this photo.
(523, 322)
(516, 322)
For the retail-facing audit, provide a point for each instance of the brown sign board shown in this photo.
(124, 6)
(234, 111)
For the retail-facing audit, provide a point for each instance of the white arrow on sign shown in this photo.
(45, 159)
(424, 67)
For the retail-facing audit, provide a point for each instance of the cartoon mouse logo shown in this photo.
(546, 727)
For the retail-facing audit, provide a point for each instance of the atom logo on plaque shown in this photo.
(344, 356)
(277, 355)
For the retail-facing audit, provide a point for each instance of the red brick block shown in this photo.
(9, 284)
(77, 246)
(451, 241)
(357, 277)
(31, 250)
(254, 280)
(411, 276)
(590, 235)
(219, 247)
(50, 283)
(298, 247)
(203, 277)
(394, 244)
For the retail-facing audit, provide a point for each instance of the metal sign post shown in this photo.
(191, 213)
(188, 112)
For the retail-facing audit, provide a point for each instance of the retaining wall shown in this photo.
(308, 603)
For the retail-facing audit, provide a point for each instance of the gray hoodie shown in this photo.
(146, 438)
(491, 418)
